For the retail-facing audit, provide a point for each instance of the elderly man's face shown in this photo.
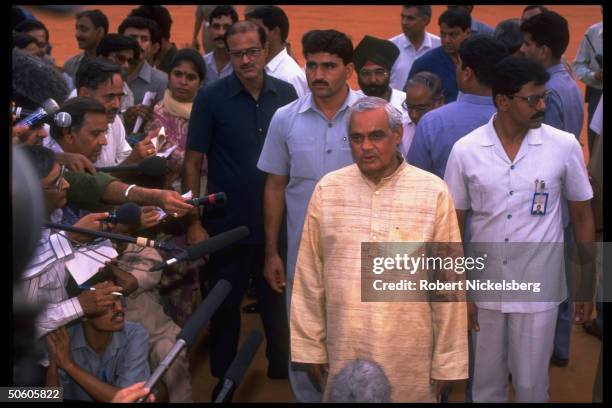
(419, 101)
(374, 80)
(373, 144)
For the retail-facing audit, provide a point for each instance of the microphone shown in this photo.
(128, 213)
(213, 199)
(189, 333)
(44, 114)
(206, 247)
(240, 364)
(140, 241)
(153, 166)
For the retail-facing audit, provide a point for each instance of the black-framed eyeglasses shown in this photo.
(57, 184)
(533, 100)
(249, 52)
(417, 108)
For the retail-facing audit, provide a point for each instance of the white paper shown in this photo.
(146, 100)
(86, 262)
(162, 214)
(159, 140)
(166, 153)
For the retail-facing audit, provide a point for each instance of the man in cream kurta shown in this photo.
(379, 199)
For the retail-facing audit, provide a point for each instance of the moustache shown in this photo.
(538, 115)
(219, 38)
(246, 66)
(321, 82)
(118, 314)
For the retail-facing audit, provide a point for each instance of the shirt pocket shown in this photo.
(303, 160)
(485, 198)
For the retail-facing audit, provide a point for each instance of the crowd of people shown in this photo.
(440, 144)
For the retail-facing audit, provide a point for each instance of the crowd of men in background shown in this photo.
(440, 144)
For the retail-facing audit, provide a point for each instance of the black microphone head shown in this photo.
(128, 213)
(217, 242)
(204, 312)
(62, 119)
(153, 166)
(35, 81)
(244, 357)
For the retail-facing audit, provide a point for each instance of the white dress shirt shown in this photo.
(283, 67)
(408, 54)
(397, 100)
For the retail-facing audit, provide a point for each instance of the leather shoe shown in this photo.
(251, 308)
(592, 328)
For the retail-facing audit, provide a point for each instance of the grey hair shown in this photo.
(368, 103)
(361, 381)
(429, 80)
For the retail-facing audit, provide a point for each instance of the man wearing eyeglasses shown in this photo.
(373, 59)
(229, 122)
(439, 129)
(307, 139)
(491, 171)
(545, 39)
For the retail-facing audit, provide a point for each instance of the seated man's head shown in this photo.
(146, 32)
(120, 50)
(51, 176)
(375, 131)
(424, 92)
(87, 133)
(101, 80)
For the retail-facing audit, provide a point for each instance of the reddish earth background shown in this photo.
(571, 384)
(356, 21)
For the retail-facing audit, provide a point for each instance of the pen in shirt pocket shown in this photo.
(85, 287)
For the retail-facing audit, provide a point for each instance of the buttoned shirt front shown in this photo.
(212, 74)
(304, 145)
(149, 79)
(408, 54)
(123, 363)
(439, 129)
(283, 67)
(564, 108)
(438, 62)
(585, 63)
(230, 126)
(500, 192)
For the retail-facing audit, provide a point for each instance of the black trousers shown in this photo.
(234, 264)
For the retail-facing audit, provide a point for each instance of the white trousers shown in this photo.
(516, 343)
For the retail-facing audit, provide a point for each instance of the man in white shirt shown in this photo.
(373, 59)
(491, 171)
(279, 64)
(412, 43)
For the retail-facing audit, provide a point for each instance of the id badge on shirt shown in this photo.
(539, 203)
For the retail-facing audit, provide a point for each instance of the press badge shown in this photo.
(540, 199)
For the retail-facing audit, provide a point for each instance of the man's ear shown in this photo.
(67, 136)
(84, 91)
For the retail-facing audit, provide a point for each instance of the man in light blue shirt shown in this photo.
(439, 129)
(218, 60)
(306, 139)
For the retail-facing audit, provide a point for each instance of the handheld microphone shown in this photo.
(128, 214)
(44, 114)
(153, 166)
(140, 241)
(206, 247)
(187, 336)
(213, 199)
(61, 119)
(240, 364)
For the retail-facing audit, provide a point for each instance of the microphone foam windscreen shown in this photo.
(153, 166)
(129, 213)
(244, 357)
(217, 242)
(34, 81)
(204, 312)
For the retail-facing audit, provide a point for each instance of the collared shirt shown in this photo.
(439, 129)
(124, 362)
(500, 194)
(45, 278)
(408, 136)
(148, 79)
(329, 321)
(397, 100)
(230, 127)
(408, 54)
(564, 108)
(212, 74)
(304, 145)
(438, 62)
(283, 67)
(117, 149)
(481, 28)
(585, 64)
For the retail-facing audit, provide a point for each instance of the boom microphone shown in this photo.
(206, 247)
(193, 326)
(153, 166)
(240, 364)
(213, 199)
(128, 214)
